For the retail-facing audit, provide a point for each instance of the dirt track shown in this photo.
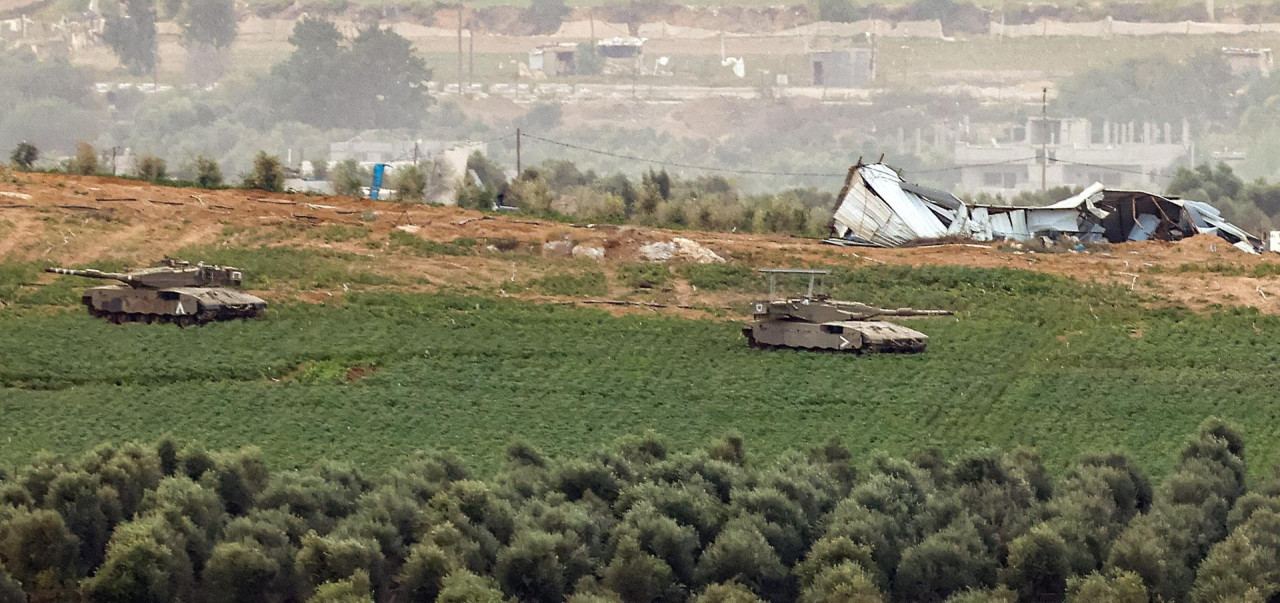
(72, 220)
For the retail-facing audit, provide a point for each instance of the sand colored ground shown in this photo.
(67, 220)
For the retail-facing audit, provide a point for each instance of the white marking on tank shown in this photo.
(844, 343)
(181, 311)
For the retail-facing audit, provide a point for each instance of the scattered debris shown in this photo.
(563, 247)
(158, 202)
(108, 199)
(275, 201)
(409, 228)
(12, 195)
(679, 247)
(585, 252)
(876, 207)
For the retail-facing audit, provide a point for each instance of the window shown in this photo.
(1000, 179)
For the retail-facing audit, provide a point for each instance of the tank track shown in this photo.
(870, 349)
(187, 320)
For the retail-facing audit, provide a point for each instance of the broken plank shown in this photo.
(275, 201)
(107, 199)
(159, 202)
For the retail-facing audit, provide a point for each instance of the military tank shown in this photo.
(817, 322)
(176, 292)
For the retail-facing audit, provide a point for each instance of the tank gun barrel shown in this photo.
(913, 312)
(91, 273)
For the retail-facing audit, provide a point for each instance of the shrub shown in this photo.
(462, 586)
(471, 196)
(424, 572)
(348, 178)
(208, 173)
(644, 276)
(1037, 565)
(1122, 587)
(267, 174)
(151, 168)
(86, 160)
(846, 582)
(591, 282)
(24, 156)
(740, 552)
(411, 184)
(530, 570)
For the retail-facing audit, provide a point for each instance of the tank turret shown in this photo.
(172, 274)
(176, 292)
(817, 322)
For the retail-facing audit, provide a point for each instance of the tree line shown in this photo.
(638, 522)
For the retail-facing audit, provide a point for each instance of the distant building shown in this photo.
(368, 150)
(553, 60)
(1079, 153)
(843, 68)
(1249, 61)
(621, 47)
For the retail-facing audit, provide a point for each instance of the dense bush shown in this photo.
(267, 174)
(151, 168)
(635, 522)
(24, 156)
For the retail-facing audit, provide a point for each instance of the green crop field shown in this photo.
(1030, 359)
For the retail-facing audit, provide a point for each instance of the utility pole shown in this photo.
(415, 153)
(1044, 140)
(518, 166)
(460, 90)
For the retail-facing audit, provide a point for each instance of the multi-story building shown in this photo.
(1062, 151)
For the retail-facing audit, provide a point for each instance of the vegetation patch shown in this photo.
(719, 277)
(426, 248)
(303, 268)
(645, 275)
(644, 521)
(590, 282)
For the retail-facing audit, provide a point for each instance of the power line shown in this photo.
(1111, 168)
(969, 165)
(680, 165)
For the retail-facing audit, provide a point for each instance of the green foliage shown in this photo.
(348, 177)
(151, 168)
(325, 81)
(545, 16)
(209, 23)
(841, 11)
(267, 174)
(645, 276)
(1153, 88)
(209, 174)
(720, 277)
(86, 160)
(24, 156)
(132, 36)
(590, 282)
(411, 184)
(427, 248)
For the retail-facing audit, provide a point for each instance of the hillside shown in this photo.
(396, 327)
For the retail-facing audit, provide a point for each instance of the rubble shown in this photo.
(877, 208)
(562, 247)
(679, 247)
(589, 253)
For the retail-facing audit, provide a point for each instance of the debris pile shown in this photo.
(877, 208)
(679, 247)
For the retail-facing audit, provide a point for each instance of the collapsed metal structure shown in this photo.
(876, 207)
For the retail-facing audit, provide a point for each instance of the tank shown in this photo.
(177, 292)
(817, 322)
